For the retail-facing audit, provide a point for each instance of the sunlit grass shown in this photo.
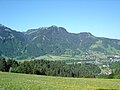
(14, 81)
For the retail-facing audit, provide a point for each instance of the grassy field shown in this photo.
(53, 58)
(14, 81)
(62, 57)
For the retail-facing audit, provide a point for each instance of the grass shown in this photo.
(15, 81)
(54, 58)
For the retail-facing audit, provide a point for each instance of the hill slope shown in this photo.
(54, 40)
(11, 81)
(12, 43)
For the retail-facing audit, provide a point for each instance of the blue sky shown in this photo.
(100, 17)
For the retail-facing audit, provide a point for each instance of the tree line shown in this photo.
(50, 68)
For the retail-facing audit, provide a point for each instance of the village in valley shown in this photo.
(104, 64)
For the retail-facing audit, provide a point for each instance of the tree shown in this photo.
(3, 64)
(9, 64)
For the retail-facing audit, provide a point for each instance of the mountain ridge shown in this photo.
(53, 40)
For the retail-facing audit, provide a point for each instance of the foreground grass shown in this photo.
(14, 81)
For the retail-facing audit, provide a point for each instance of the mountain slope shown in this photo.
(11, 42)
(54, 41)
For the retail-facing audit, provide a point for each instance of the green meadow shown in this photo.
(15, 81)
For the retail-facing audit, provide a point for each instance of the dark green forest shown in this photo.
(49, 68)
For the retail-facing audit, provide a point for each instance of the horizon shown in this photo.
(64, 28)
(101, 18)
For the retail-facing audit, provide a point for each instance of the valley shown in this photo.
(102, 63)
(90, 62)
(59, 44)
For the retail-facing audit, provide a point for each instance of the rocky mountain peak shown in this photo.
(56, 29)
(2, 25)
(86, 34)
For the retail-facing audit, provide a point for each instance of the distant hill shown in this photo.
(53, 40)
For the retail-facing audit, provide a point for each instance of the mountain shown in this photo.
(11, 42)
(54, 40)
